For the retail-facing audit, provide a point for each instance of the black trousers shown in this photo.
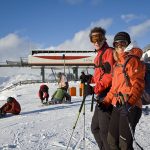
(99, 127)
(119, 134)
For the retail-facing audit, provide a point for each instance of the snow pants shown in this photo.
(119, 133)
(99, 127)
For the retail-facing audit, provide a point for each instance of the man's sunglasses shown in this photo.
(120, 44)
(96, 38)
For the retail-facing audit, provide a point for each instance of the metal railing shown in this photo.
(23, 83)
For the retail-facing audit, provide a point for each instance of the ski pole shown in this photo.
(80, 109)
(92, 103)
(137, 144)
(130, 127)
(84, 126)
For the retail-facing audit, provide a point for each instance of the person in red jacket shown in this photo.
(125, 93)
(43, 93)
(12, 106)
(102, 78)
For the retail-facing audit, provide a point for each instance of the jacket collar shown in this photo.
(105, 46)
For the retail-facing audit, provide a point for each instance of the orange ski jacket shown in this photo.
(135, 70)
(101, 79)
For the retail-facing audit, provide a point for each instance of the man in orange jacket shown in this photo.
(125, 93)
(102, 78)
(12, 106)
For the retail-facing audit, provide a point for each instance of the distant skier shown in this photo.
(83, 77)
(58, 97)
(43, 93)
(12, 106)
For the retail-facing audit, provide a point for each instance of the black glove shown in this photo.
(102, 106)
(125, 109)
(106, 67)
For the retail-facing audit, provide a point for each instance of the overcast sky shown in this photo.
(65, 24)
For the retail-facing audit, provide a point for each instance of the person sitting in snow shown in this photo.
(12, 106)
(59, 94)
(43, 93)
(64, 85)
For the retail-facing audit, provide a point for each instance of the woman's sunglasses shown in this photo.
(120, 44)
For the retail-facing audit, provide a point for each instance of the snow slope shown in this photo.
(50, 127)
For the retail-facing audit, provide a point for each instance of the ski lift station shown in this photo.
(72, 58)
(61, 58)
(56, 59)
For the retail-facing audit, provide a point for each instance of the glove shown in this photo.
(102, 106)
(125, 109)
(106, 67)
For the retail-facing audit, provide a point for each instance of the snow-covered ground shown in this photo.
(50, 127)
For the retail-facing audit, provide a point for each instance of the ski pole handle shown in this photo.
(121, 98)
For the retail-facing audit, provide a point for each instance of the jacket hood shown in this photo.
(137, 52)
(130, 46)
(133, 49)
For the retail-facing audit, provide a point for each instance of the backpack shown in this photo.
(59, 94)
(146, 93)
